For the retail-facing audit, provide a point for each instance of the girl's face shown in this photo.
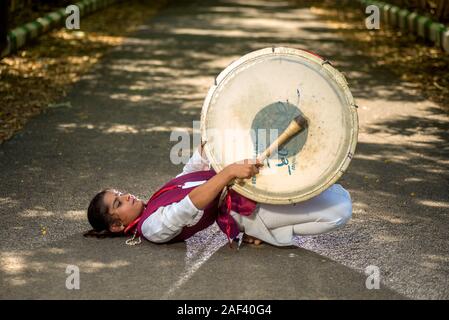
(125, 207)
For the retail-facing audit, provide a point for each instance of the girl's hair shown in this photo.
(99, 218)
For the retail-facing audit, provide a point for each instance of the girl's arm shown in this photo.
(167, 222)
(201, 196)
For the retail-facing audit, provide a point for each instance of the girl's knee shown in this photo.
(344, 212)
(344, 205)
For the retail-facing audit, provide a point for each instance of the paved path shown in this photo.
(116, 133)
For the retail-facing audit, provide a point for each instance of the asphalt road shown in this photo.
(113, 129)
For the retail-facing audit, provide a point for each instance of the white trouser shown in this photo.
(278, 224)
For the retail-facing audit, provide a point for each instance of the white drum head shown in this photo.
(253, 101)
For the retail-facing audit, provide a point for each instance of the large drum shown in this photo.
(253, 101)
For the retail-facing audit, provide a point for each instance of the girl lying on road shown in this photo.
(192, 201)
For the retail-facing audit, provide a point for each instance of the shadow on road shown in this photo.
(111, 270)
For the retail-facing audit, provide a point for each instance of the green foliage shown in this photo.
(438, 9)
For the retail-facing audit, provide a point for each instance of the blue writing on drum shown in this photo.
(284, 161)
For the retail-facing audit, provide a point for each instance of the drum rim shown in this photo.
(340, 80)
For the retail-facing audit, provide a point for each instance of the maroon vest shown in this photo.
(173, 192)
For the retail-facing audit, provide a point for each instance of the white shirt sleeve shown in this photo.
(195, 163)
(167, 222)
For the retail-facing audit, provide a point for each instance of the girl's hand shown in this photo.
(202, 195)
(244, 170)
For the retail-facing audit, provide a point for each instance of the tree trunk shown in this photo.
(4, 24)
(442, 10)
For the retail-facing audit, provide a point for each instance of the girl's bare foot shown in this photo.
(251, 239)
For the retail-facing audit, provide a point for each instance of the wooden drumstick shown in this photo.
(296, 125)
